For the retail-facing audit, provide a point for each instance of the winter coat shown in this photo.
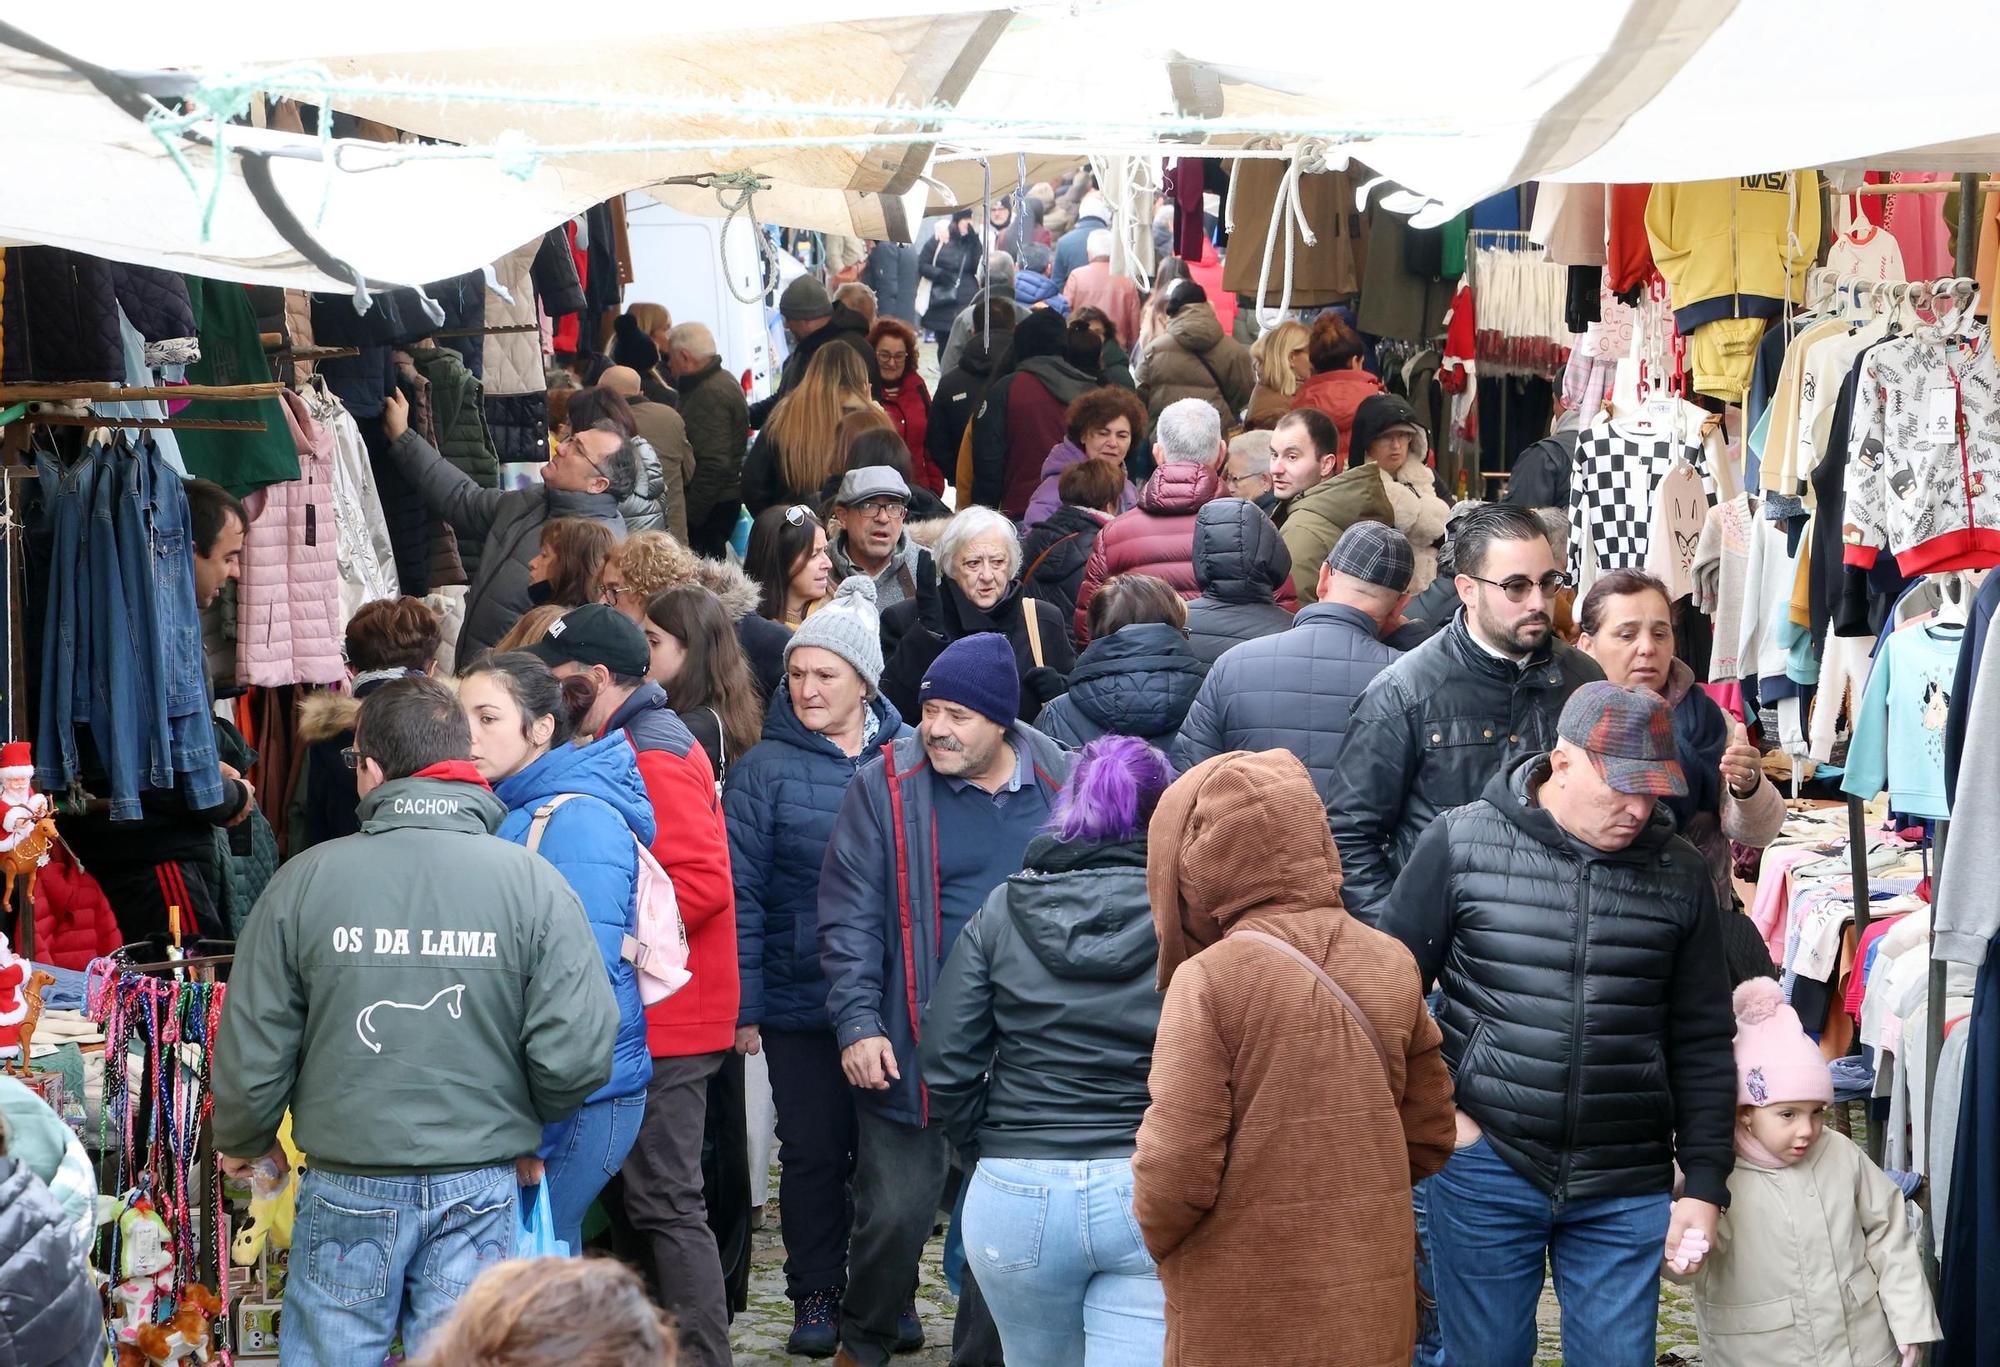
(1242, 568)
(879, 915)
(717, 419)
(364, 553)
(1585, 1005)
(892, 272)
(458, 413)
(779, 805)
(59, 318)
(1420, 516)
(1268, 1098)
(1541, 474)
(511, 362)
(288, 622)
(952, 267)
(911, 569)
(1054, 554)
(1311, 522)
(1156, 537)
(74, 922)
(1193, 359)
(1073, 249)
(1812, 1264)
(1265, 408)
(909, 408)
(763, 640)
(50, 1314)
(915, 632)
(660, 501)
(1294, 690)
(844, 327)
(1033, 287)
(1737, 247)
(1094, 285)
(1048, 495)
(1021, 419)
(690, 845)
(1115, 367)
(593, 840)
(1711, 816)
(326, 727)
(468, 947)
(1337, 393)
(509, 524)
(1040, 1029)
(1427, 734)
(1007, 315)
(958, 396)
(1138, 681)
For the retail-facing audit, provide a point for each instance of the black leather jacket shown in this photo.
(1585, 1008)
(1039, 1034)
(1426, 735)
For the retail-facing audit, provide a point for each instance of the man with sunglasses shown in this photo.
(1433, 727)
(869, 513)
(590, 471)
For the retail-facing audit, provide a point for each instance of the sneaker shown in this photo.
(815, 1324)
(909, 1329)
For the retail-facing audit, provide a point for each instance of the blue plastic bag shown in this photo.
(538, 1226)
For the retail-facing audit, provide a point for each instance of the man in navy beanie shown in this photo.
(923, 835)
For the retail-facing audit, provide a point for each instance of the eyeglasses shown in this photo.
(1233, 480)
(890, 508)
(608, 594)
(797, 514)
(1517, 586)
(888, 355)
(574, 446)
(351, 757)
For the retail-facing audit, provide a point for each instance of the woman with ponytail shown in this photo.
(523, 720)
(1036, 1049)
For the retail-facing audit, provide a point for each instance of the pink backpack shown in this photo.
(657, 944)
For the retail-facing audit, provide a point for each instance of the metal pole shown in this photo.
(1969, 204)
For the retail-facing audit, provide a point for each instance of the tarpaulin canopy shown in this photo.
(822, 104)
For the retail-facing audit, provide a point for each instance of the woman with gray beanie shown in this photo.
(826, 719)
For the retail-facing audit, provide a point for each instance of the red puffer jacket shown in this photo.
(910, 409)
(1338, 393)
(73, 922)
(1157, 537)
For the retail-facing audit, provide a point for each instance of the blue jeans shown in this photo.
(376, 1256)
(1430, 1339)
(1492, 1231)
(584, 1152)
(1060, 1260)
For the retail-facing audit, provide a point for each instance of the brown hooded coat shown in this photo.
(1273, 1171)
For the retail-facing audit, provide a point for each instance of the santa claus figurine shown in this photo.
(20, 805)
(13, 1001)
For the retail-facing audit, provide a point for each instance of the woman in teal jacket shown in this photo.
(523, 719)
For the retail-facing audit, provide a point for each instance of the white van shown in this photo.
(678, 260)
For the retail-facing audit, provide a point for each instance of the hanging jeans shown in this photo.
(66, 495)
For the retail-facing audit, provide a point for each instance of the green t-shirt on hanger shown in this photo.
(232, 353)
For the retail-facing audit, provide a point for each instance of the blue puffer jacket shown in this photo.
(779, 805)
(1138, 681)
(590, 841)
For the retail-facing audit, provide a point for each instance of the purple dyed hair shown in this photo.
(1112, 791)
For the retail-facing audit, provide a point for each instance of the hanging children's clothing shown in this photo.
(1720, 575)
(1864, 250)
(1680, 509)
(1619, 466)
(1898, 739)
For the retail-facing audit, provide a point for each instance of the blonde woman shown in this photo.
(1282, 364)
(799, 448)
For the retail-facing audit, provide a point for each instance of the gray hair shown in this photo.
(1254, 450)
(1188, 429)
(969, 525)
(621, 469)
(1000, 269)
(1099, 243)
(852, 291)
(693, 338)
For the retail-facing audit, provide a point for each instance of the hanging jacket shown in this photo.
(50, 1314)
(74, 922)
(1585, 1009)
(1156, 537)
(59, 318)
(458, 415)
(1054, 554)
(1039, 1033)
(1293, 690)
(1427, 734)
(717, 419)
(1194, 359)
(1138, 681)
(779, 805)
(1021, 418)
(516, 390)
(232, 352)
(1048, 494)
(1311, 522)
(365, 556)
(1242, 568)
(288, 619)
(1338, 393)
(590, 840)
(879, 914)
(1734, 248)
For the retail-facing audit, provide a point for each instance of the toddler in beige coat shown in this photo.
(1814, 1262)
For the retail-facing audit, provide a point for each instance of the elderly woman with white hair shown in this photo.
(979, 567)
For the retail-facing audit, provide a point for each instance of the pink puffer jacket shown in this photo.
(1156, 537)
(288, 600)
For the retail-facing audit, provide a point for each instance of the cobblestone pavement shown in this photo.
(758, 1336)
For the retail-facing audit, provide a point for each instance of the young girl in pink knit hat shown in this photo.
(1814, 1261)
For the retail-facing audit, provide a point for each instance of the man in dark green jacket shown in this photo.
(718, 428)
(424, 997)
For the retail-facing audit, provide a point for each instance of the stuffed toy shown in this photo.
(187, 1338)
(145, 1266)
(271, 1216)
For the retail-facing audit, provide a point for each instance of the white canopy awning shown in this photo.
(1455, 101)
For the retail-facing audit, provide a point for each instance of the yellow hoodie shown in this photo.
(1734, 248)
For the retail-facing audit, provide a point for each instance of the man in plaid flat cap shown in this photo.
(1576, 946)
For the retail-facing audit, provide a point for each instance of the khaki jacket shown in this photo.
(1814, 1266)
